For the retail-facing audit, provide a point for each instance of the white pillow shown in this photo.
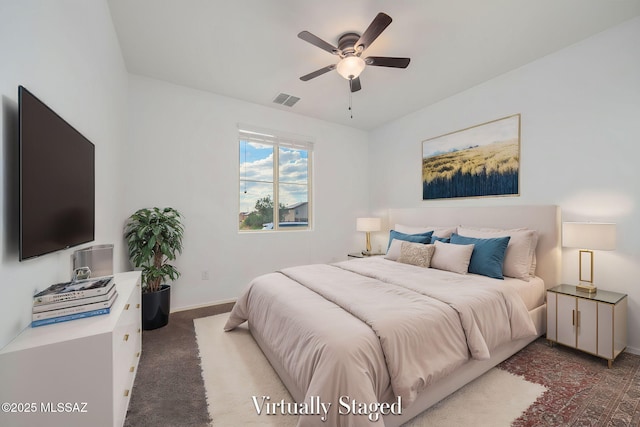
(452, 257)
(520, 253)
(443, 231)
(534, 263)
(394, 250)
(416, 254)
(437, 231)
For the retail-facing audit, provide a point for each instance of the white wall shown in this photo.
(580, 133)
(66, 53)
(183, 152)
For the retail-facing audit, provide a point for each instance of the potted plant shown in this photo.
(154, 237)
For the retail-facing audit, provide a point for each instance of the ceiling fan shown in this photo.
(350, 48)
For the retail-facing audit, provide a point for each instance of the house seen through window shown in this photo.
(275, 181)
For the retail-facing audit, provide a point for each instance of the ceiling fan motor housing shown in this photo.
(346, 44)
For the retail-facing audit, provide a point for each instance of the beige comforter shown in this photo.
(373, 329)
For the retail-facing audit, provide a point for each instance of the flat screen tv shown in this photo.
(57, 181)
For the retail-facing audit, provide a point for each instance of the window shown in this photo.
(275, 181)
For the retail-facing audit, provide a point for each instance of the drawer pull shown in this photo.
(138, 354)
(137, 305)
(131, 369)
(126, 307)
(126, 393)
(126, 337)
(573, 317)
(139, 330)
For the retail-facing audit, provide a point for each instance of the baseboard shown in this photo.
(210, 304)
(632, 350)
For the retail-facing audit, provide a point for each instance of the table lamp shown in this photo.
(368, 225)
(588, 236)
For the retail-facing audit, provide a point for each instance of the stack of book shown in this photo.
(74, 300)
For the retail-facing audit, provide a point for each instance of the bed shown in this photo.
(377, 341)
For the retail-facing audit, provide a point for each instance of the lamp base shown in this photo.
(586, 287)
(368, 249)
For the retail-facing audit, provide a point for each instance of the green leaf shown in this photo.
(152, 242)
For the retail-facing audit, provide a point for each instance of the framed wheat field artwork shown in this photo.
(480, 161)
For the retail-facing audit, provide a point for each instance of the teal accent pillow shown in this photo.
(488, 254)
(415, 238)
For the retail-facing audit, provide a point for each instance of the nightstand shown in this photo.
(360, 255)
(594, 323)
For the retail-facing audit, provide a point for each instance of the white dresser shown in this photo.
(77, 373)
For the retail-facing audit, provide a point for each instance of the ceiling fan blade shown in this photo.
(317, 73)
(387, 61)
(377, 26)
(317, 41)
(355, 85)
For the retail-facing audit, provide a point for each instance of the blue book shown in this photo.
(68, 317)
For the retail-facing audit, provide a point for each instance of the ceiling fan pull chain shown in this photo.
(350, 95)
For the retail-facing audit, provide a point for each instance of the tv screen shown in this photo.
(57, 181)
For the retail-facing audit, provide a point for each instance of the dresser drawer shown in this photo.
(126, 344)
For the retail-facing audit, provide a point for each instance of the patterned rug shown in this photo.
(581, 390)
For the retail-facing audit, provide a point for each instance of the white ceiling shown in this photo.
(249, 49)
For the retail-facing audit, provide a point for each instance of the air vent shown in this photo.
(286, 99)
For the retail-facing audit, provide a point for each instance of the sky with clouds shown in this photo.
(256, 174)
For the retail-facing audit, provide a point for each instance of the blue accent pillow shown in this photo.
(488, 254)
(416, 238)
(440, 239)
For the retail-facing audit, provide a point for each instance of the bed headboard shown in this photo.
(543, 218)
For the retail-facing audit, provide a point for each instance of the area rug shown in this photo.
(582, 391)
(234, 370)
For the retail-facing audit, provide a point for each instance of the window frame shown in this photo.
(277, 140)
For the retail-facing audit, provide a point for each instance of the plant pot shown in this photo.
(155, 308)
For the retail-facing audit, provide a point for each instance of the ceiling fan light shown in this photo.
(350, 67)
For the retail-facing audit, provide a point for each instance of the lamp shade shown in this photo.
(589, 235)
(368, 224)
(350, 67)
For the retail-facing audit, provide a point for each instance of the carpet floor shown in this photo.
(581, 390)
(168, 390)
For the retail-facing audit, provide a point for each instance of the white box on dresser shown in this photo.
(76, 373)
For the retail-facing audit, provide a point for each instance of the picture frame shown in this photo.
(478, 161)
